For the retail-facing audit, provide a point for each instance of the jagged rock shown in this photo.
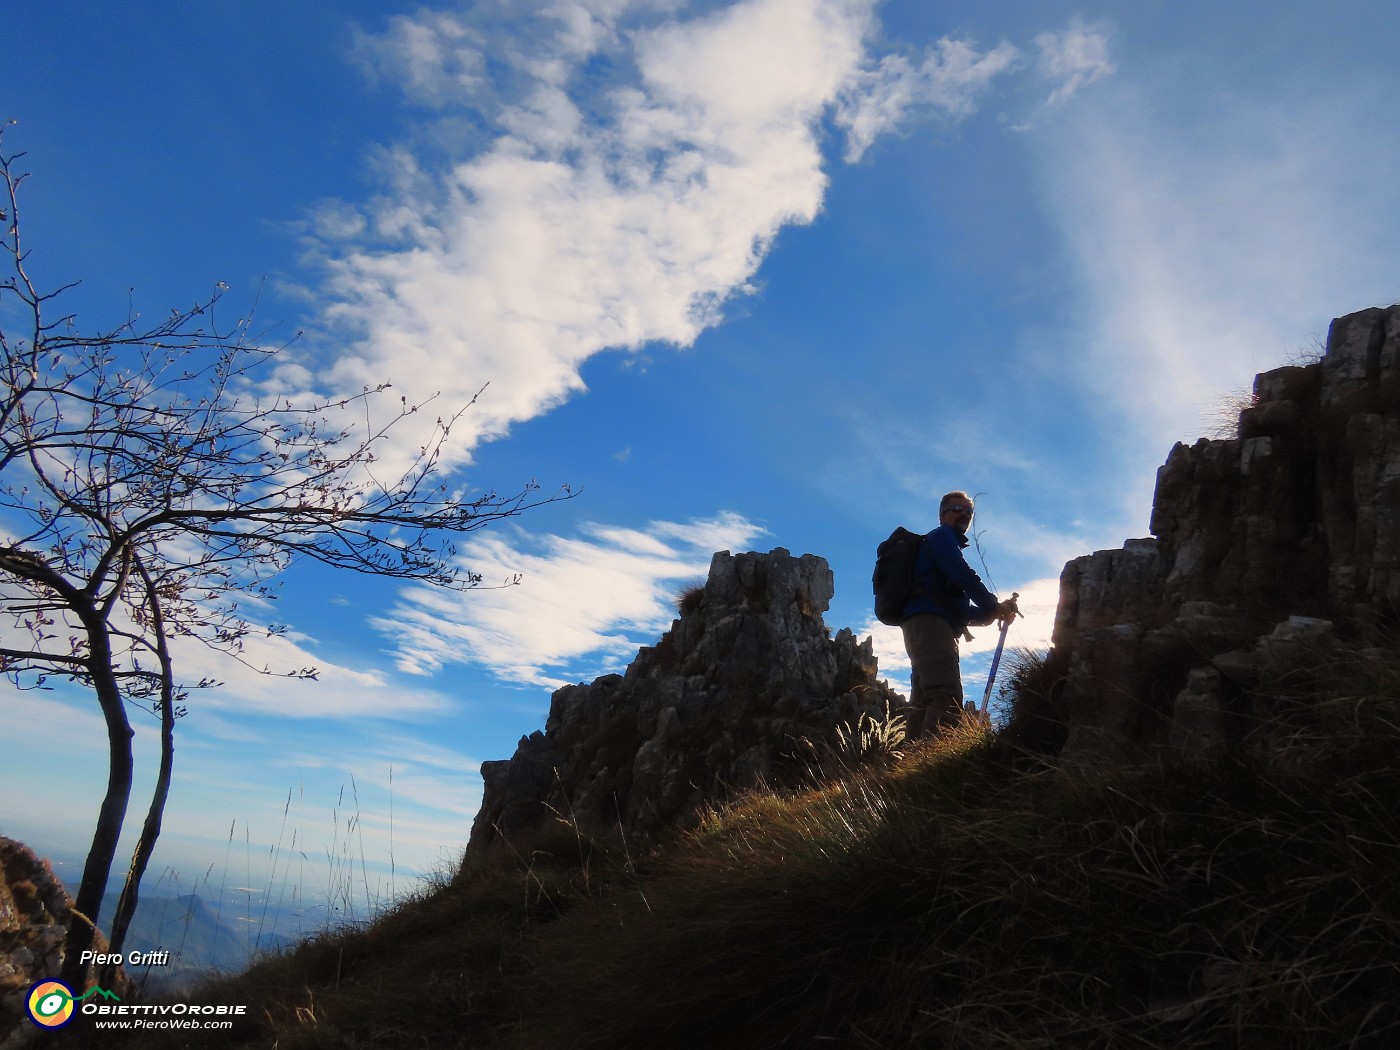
(1298, 629)
(1294, 641)
(1298, 516)
(1198, 713)
(1241, 667)
(1111, 587)
(718, 705)
(34, 911)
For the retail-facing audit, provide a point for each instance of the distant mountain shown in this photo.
(199, 936)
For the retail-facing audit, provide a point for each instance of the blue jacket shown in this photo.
(944, 583)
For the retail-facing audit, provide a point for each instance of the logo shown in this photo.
(50, 1003)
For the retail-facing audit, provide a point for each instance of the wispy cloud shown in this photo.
(583, 604)
(255, 678)
(1213, 234)
(1070, 58)
(339, 691)
(1007, 532)
(435, 57)
(946, 81)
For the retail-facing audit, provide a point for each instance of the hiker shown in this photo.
(947, 596)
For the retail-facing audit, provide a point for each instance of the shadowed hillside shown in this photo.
(968, 896)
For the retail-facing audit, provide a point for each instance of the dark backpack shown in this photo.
(894, 575)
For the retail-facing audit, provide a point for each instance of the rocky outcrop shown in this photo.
(1288, 532)
(34, 911)
(718, 705)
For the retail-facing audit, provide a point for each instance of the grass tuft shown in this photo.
(869, 741)
(691, 597)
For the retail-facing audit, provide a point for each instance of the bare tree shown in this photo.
(146, 487)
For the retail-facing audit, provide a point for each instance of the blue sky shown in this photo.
(749, 275)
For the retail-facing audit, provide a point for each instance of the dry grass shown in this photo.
(869, 741)
(691, 596)
(1221, 419)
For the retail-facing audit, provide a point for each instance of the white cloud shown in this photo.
(582, 602)
(948, 80)
(1004, 530)
(434, 56)
(339, 691)
(433, 779)
(917, 464)
(1038, 601)
(1070, 58)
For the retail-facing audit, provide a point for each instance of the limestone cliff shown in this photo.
(1289, 530)
(716, 706)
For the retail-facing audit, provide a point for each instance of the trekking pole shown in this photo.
(992, 674)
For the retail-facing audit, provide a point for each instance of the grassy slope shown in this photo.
(968, 897)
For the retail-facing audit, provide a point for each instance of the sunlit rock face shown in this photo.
(34, 913)
(1283, 535)
(718, 705)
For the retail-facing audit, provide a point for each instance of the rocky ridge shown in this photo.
(1285, 534)
(34, 912)
(719, 704)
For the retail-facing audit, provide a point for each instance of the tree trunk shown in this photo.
(145, 846)
(150, 830)
(98, 868)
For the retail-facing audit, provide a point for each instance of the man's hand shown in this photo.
(1007, 611)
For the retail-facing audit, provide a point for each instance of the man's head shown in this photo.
(955, 510)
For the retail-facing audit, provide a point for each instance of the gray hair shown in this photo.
(956, 494)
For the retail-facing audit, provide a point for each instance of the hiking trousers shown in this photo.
(937, 692)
